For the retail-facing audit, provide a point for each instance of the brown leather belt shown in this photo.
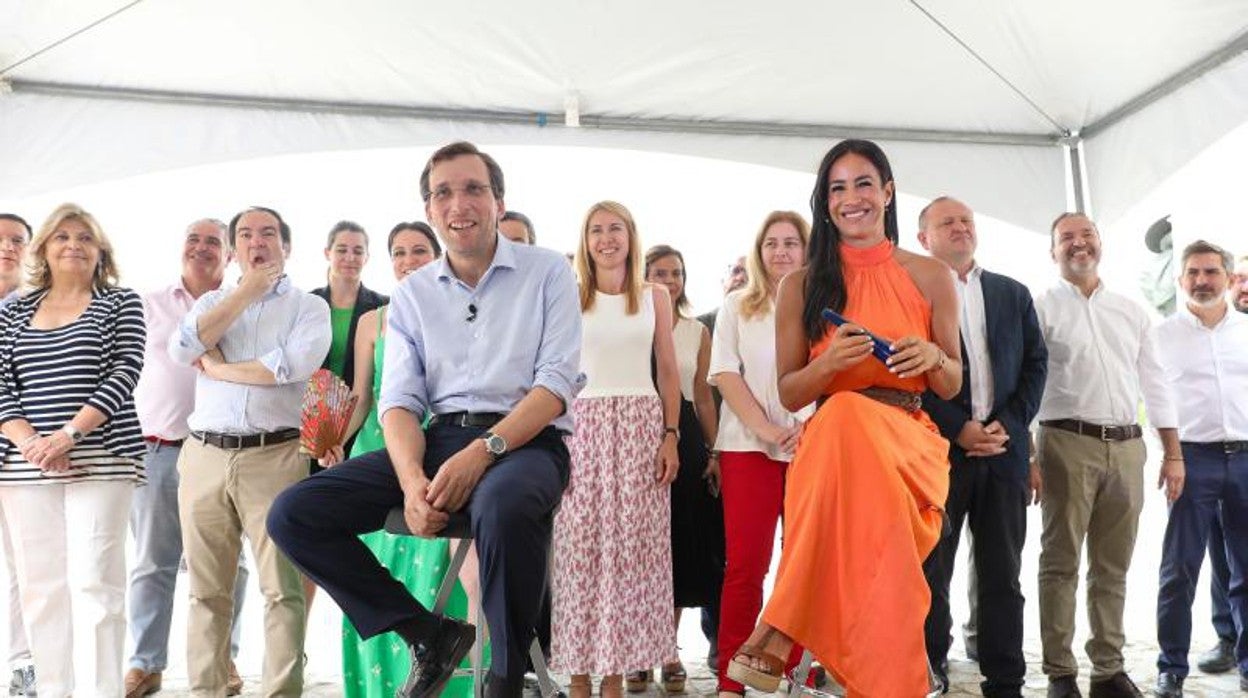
(1104, 432)
(237, 442)
(906, 400)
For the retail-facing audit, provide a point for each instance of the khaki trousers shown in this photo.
(1093, 489)
(222, 496)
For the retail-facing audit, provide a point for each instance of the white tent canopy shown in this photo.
(985, 99)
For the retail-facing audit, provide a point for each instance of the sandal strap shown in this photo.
(774, 664)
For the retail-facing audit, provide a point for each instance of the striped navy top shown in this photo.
(46, 376)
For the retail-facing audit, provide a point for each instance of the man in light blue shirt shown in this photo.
(255, 346)
(487, 341)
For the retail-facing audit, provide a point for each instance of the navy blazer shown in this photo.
(1019, 367)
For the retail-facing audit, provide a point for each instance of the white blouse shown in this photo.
(748, 347)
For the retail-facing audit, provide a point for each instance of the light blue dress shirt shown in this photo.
(287, 330)
(441, 356)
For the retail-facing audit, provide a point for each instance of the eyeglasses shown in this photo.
(472, 190)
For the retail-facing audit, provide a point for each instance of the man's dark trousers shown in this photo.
(317, 523)
(993, 502)
(1214, 478)
(1219, 582)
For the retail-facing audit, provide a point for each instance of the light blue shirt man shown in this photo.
(517, 330)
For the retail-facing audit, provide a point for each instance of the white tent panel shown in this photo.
(97, 140)
(779, 81)
(1129, 159)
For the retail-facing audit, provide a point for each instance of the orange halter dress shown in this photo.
(863, 503)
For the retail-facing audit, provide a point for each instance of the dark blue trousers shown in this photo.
(1220, 582)
(1216, 481)
(317, 524)
(994, 505)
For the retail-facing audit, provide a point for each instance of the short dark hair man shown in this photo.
(1202, 350)
(255, 346)
(494, 448)
(517, 227)
(986, 424)
(1102, 360)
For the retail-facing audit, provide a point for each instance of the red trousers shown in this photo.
(752, 487)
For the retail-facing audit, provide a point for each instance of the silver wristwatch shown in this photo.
(74, 434)
(495, 445)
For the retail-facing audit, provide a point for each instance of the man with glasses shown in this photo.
(463, 349)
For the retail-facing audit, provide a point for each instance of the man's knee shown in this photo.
(284, 519)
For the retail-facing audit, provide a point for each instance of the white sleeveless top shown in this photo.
(615, 347)
(687, 335)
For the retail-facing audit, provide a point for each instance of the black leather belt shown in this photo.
(236, 442)
(468, 419)
(1227, 447)
(1104, 432)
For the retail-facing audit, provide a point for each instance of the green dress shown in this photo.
(377, 667)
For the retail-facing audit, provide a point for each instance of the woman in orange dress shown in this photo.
(867, 486)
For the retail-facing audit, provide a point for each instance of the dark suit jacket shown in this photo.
(1019, 366)
(365, 301)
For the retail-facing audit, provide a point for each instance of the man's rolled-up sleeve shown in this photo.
(295, 359)
(403, 377)
(558, 366)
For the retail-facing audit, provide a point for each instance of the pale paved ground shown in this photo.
(323, 644)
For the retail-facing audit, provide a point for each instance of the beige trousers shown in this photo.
(222, 496)
(1093, 490)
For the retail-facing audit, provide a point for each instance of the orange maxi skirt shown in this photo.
(862, 510)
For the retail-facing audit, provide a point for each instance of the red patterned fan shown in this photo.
(327, 407)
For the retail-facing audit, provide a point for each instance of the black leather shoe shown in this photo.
(1168, 686)
(1117, 686)
(1063, 687)
(435, 658)
(1219, 659)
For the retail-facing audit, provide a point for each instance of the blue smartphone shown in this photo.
(879, 347)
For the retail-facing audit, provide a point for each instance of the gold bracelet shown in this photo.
(1178, 458)
(940, 365)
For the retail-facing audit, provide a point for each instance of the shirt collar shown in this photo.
(504, 258)
(972, 275)
(1100, 286)
(1186, 314)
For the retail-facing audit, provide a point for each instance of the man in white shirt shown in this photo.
(1202, 348)
(986, 424)
(164, 398)
(1102, 358)
(255, 345)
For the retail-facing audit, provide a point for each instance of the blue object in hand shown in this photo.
(879, 347)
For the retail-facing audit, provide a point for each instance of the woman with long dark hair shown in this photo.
(867, 486)
(697, 518)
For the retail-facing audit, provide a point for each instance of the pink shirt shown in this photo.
(165, 395)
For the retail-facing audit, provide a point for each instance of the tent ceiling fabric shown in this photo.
(1015, 70)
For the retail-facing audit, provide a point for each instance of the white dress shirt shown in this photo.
(1102, 356)
(287, 331)
(748, 347)
(973, 323)
(1208, 367)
